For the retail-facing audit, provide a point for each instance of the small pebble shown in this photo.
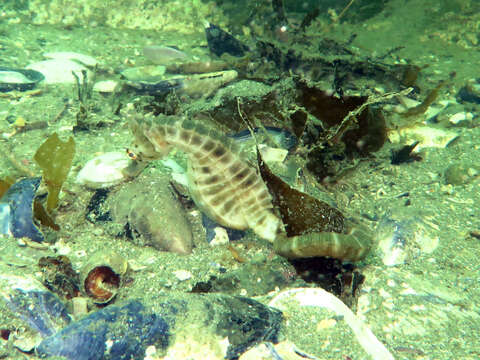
(80, 307)
(182, 275)
(460, 116)
(460, 174)
(21, 242)
(106, 86)
(221, 237)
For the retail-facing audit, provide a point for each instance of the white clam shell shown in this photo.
(428, 136)
(104, 171)
(86, 60)
(59, 70)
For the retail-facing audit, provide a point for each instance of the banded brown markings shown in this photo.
(231, 192)
(196, 140)
(185, 135)
(224, 186)
(208, 145)
(157, 137)
(230, 195)
(351, 246)
(171, 133)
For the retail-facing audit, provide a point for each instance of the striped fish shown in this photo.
(231, 191)
(222, 184)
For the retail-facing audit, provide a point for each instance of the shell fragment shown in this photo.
(104, 170)
(428, 136)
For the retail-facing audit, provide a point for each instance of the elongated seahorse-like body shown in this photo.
(353, 245)
(231, 191)
(222, 184)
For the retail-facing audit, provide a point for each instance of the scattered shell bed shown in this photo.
(420, 287)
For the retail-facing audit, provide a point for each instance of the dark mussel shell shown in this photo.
(19, 219)
(41, 310)
(114, 332)
(159, 87)
(220, 42)
(246, 322)
(32, 78)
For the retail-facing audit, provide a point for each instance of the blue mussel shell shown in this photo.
(16, 210)
(127, 330)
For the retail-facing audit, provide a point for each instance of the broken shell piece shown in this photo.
(163, 54)
(86, 60)
(101, 276)
(270, 154)
(427, 136)
(60, 70)
(460, 117)
(293, 300)
(144, 73)
(392, 236)
(25, 298)
(105, 86)
(104, 170)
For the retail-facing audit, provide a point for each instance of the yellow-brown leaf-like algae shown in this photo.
(55, 157)
(5, 185)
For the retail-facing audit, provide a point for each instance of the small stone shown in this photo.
(106, 86)
(458, 174)
(459, 117)
(183, 275)
(80, 307)
(221, 237)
